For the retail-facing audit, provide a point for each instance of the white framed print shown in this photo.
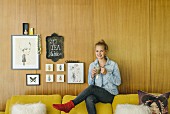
(60, 78)
(32, 79)
(24, 52)
(48, 67)
(75, 72)
(60, 67)
(49, 78)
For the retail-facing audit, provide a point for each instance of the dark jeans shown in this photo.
(92, 95)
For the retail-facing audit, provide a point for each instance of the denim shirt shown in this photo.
(110, 80)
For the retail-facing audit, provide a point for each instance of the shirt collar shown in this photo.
(96, 62)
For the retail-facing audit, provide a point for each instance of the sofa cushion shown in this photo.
(81, 108)
(157, 103)
(131, 109)
(48, 100)
(125, 99)
(31, 108)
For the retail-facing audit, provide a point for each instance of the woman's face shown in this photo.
(100, 52)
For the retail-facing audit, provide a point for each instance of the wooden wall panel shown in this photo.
(160, 48)
(14, 13)
(135, 30)
(73, 20)
(124, 25)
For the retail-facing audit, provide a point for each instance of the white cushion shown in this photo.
(36, 108)
(132, 109)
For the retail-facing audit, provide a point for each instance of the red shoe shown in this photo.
(64, 107)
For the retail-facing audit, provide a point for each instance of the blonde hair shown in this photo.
(102, 43)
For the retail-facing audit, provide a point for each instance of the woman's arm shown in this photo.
(90, 79)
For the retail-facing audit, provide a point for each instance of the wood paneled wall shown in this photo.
(137, 32)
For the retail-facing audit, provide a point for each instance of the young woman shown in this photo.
(103, 79)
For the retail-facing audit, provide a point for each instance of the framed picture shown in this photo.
(32, 79)
(49, 78)
(24, 52)
(60, 67)
(60, 78)
(48, 67)
(75, 72)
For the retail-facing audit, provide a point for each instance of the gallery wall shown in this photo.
(136, 31)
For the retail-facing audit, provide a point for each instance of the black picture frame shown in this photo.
(54, 47)
(32, 79)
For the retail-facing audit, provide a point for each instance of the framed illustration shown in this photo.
(60, 78)
(24, 52)
(48, 67)
(32, 79)
(60, 67)
(49, 78)
(75, 72)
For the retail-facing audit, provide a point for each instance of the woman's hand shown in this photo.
(103, 70)
(94, 71)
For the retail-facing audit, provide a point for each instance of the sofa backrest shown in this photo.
(48, 100)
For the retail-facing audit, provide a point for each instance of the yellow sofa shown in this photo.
(48, 100)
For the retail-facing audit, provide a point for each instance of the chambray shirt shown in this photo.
(110, 80)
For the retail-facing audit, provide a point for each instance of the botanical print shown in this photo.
(60, 78)
(75, 73)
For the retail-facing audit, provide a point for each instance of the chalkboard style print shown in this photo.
(54, 47)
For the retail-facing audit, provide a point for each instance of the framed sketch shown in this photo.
(75, 72)
(32, 79)
(60, 78)
(49, 78)
(24, 52)
(60, 67)
(48, 67)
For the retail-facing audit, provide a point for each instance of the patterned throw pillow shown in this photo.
(158, 104)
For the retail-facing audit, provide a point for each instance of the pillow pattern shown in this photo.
(36, 108)
(131, 109)
(158, 104)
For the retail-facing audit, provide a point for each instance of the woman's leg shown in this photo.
(90, 104)
(101, 95)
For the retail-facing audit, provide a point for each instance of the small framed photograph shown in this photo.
(60, 78)
(49, 78)
(32, 79)
(24, 53)
(75, 72)
(49, 67)
(60, 67)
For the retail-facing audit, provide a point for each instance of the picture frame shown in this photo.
(49, 67)
(60, 78)
(49, 78)
(32, 79)
(54, 47)
(24, 52)
(60, 67)
(75, 72)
